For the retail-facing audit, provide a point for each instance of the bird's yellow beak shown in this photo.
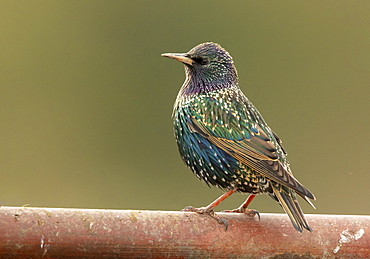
(179, 57)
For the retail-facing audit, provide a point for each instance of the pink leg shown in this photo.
(209, 209)
(244, 206)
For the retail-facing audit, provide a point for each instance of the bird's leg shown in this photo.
(243, 208)
(209, 209)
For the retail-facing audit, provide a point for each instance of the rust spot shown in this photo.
(48, 213)
(16, 216)
(40, 222)
(133, 216)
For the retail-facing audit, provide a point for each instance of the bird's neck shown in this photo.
(195, 86)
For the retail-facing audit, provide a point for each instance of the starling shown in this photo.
(225, 141)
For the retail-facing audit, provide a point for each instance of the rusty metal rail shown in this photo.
(46, 232)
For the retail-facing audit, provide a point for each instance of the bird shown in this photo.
(224, 140)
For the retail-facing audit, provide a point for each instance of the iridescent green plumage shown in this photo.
(224, 140)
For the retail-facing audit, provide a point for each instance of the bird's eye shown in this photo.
(200, 60)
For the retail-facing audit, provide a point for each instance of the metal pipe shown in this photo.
(56, 232)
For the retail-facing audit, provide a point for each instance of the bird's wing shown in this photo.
(241, 132)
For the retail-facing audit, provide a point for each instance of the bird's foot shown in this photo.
(251, 213)
(207, 211)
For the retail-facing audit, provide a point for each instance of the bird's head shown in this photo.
(208, 67)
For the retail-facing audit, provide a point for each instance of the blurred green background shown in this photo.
(86, 98)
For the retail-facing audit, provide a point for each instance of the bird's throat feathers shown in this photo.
(200, 82)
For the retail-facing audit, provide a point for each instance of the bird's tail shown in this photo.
(288, 200)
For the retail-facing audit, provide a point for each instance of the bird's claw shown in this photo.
(210, 212)
(201, 210)
(223, 221)
(251, 213)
